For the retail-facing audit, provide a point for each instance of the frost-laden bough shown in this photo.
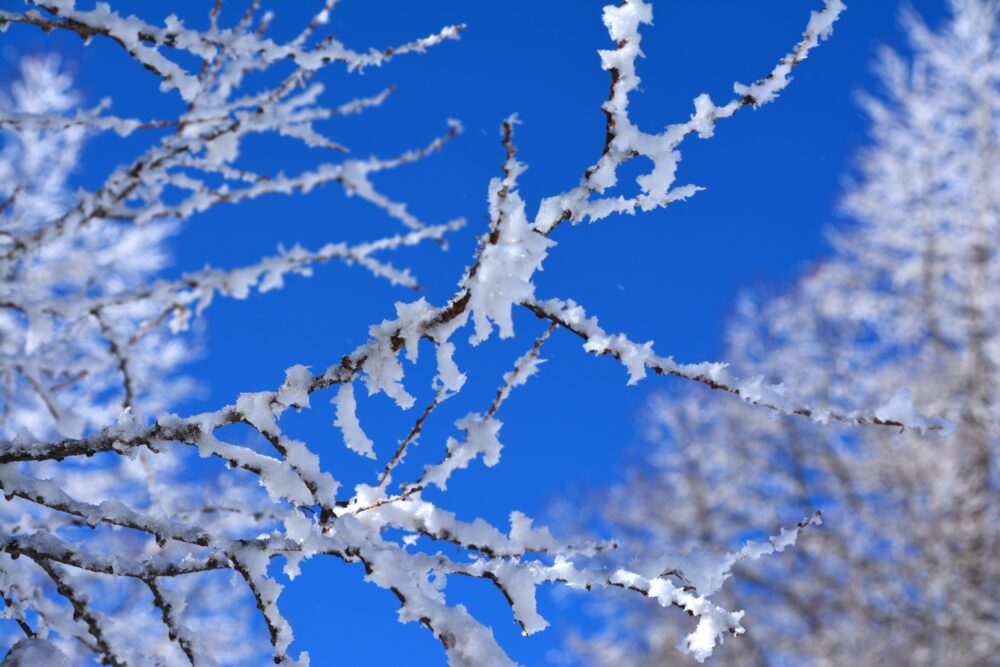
(160, 540)
(80, 312)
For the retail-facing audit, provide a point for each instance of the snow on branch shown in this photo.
(273, 499)
(637, 358)
(81, 308)
(624, 141)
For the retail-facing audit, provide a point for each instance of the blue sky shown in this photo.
(772, 179)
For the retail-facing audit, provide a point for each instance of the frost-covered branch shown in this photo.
(624, 141)
(81, 335)
(81, 610)
(638, 358)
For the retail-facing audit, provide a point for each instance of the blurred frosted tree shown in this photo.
(906, 568)
(61, 373)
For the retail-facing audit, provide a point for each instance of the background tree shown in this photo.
(904, 570)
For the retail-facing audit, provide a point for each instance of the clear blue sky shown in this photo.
(772, 180)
